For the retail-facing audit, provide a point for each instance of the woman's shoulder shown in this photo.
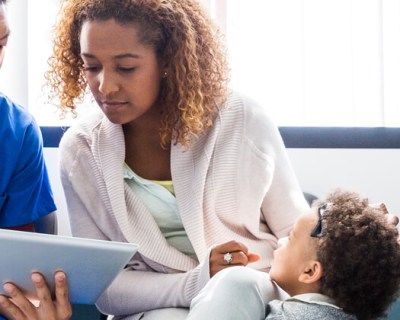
(256, 122)
(250, 109)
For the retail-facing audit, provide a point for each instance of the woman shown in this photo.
(172, 160)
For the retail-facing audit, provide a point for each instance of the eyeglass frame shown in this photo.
(318, 231)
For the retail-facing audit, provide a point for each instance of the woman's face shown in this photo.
(123, 74)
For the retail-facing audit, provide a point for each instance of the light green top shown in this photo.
(159, 198)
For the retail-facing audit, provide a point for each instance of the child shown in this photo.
(341, 261)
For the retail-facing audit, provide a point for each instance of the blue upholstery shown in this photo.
(394, 311)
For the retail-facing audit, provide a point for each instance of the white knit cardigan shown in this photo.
(235, 183)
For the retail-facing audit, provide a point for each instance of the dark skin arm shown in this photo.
(240, 256)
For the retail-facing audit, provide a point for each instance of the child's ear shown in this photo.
(312, 272)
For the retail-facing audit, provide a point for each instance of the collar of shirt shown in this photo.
(315, 298)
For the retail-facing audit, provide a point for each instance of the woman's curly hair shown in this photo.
(360, 255)
(184, 39)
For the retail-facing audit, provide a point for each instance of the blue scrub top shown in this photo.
(25, 193)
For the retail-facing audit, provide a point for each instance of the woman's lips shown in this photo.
(113, 105)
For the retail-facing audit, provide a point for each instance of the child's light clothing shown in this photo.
(242, 293)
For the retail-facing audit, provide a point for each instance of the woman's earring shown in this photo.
(165, 74)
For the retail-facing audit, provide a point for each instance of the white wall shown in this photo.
(372, 172)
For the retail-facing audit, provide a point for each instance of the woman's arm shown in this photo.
(136, 291)
(284, 201)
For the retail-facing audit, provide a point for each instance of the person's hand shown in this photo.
(391, 218)
(229, 254)
(18, 307)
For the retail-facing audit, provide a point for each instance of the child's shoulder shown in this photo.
(295, 310)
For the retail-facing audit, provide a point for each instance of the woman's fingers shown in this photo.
(46, 306)
(239, 258)
(253, 257)
(8, 309)
(231, 246)
(228, 254)
(60, 308)
(392, 219)
(63, 305)
(19, 307)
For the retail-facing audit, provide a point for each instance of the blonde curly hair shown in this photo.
(184, 39)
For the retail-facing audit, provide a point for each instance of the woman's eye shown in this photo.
(126, 69)
(90, 68)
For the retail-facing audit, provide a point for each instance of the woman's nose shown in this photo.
(107, 83)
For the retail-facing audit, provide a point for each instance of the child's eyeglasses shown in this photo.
(318, 230)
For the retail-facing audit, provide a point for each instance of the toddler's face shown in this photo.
(294, 252)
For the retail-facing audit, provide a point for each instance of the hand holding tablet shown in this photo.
(18, 307)
(90, 265)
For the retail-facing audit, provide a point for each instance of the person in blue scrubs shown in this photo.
(25, 192)
(25, 196)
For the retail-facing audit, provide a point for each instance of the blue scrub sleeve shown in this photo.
(28, 195)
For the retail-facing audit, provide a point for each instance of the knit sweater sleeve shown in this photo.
(283, 201)
(135, 291)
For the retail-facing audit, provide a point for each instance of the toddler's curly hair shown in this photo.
(360, 254)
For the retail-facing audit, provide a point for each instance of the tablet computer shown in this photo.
(91, 265)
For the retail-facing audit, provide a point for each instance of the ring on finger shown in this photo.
(228, 257)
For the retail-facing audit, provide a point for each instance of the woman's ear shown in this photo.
(312, 272)
(164, 68)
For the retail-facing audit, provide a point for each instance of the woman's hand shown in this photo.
(19, 307)
(229, 254)
(391, 218)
